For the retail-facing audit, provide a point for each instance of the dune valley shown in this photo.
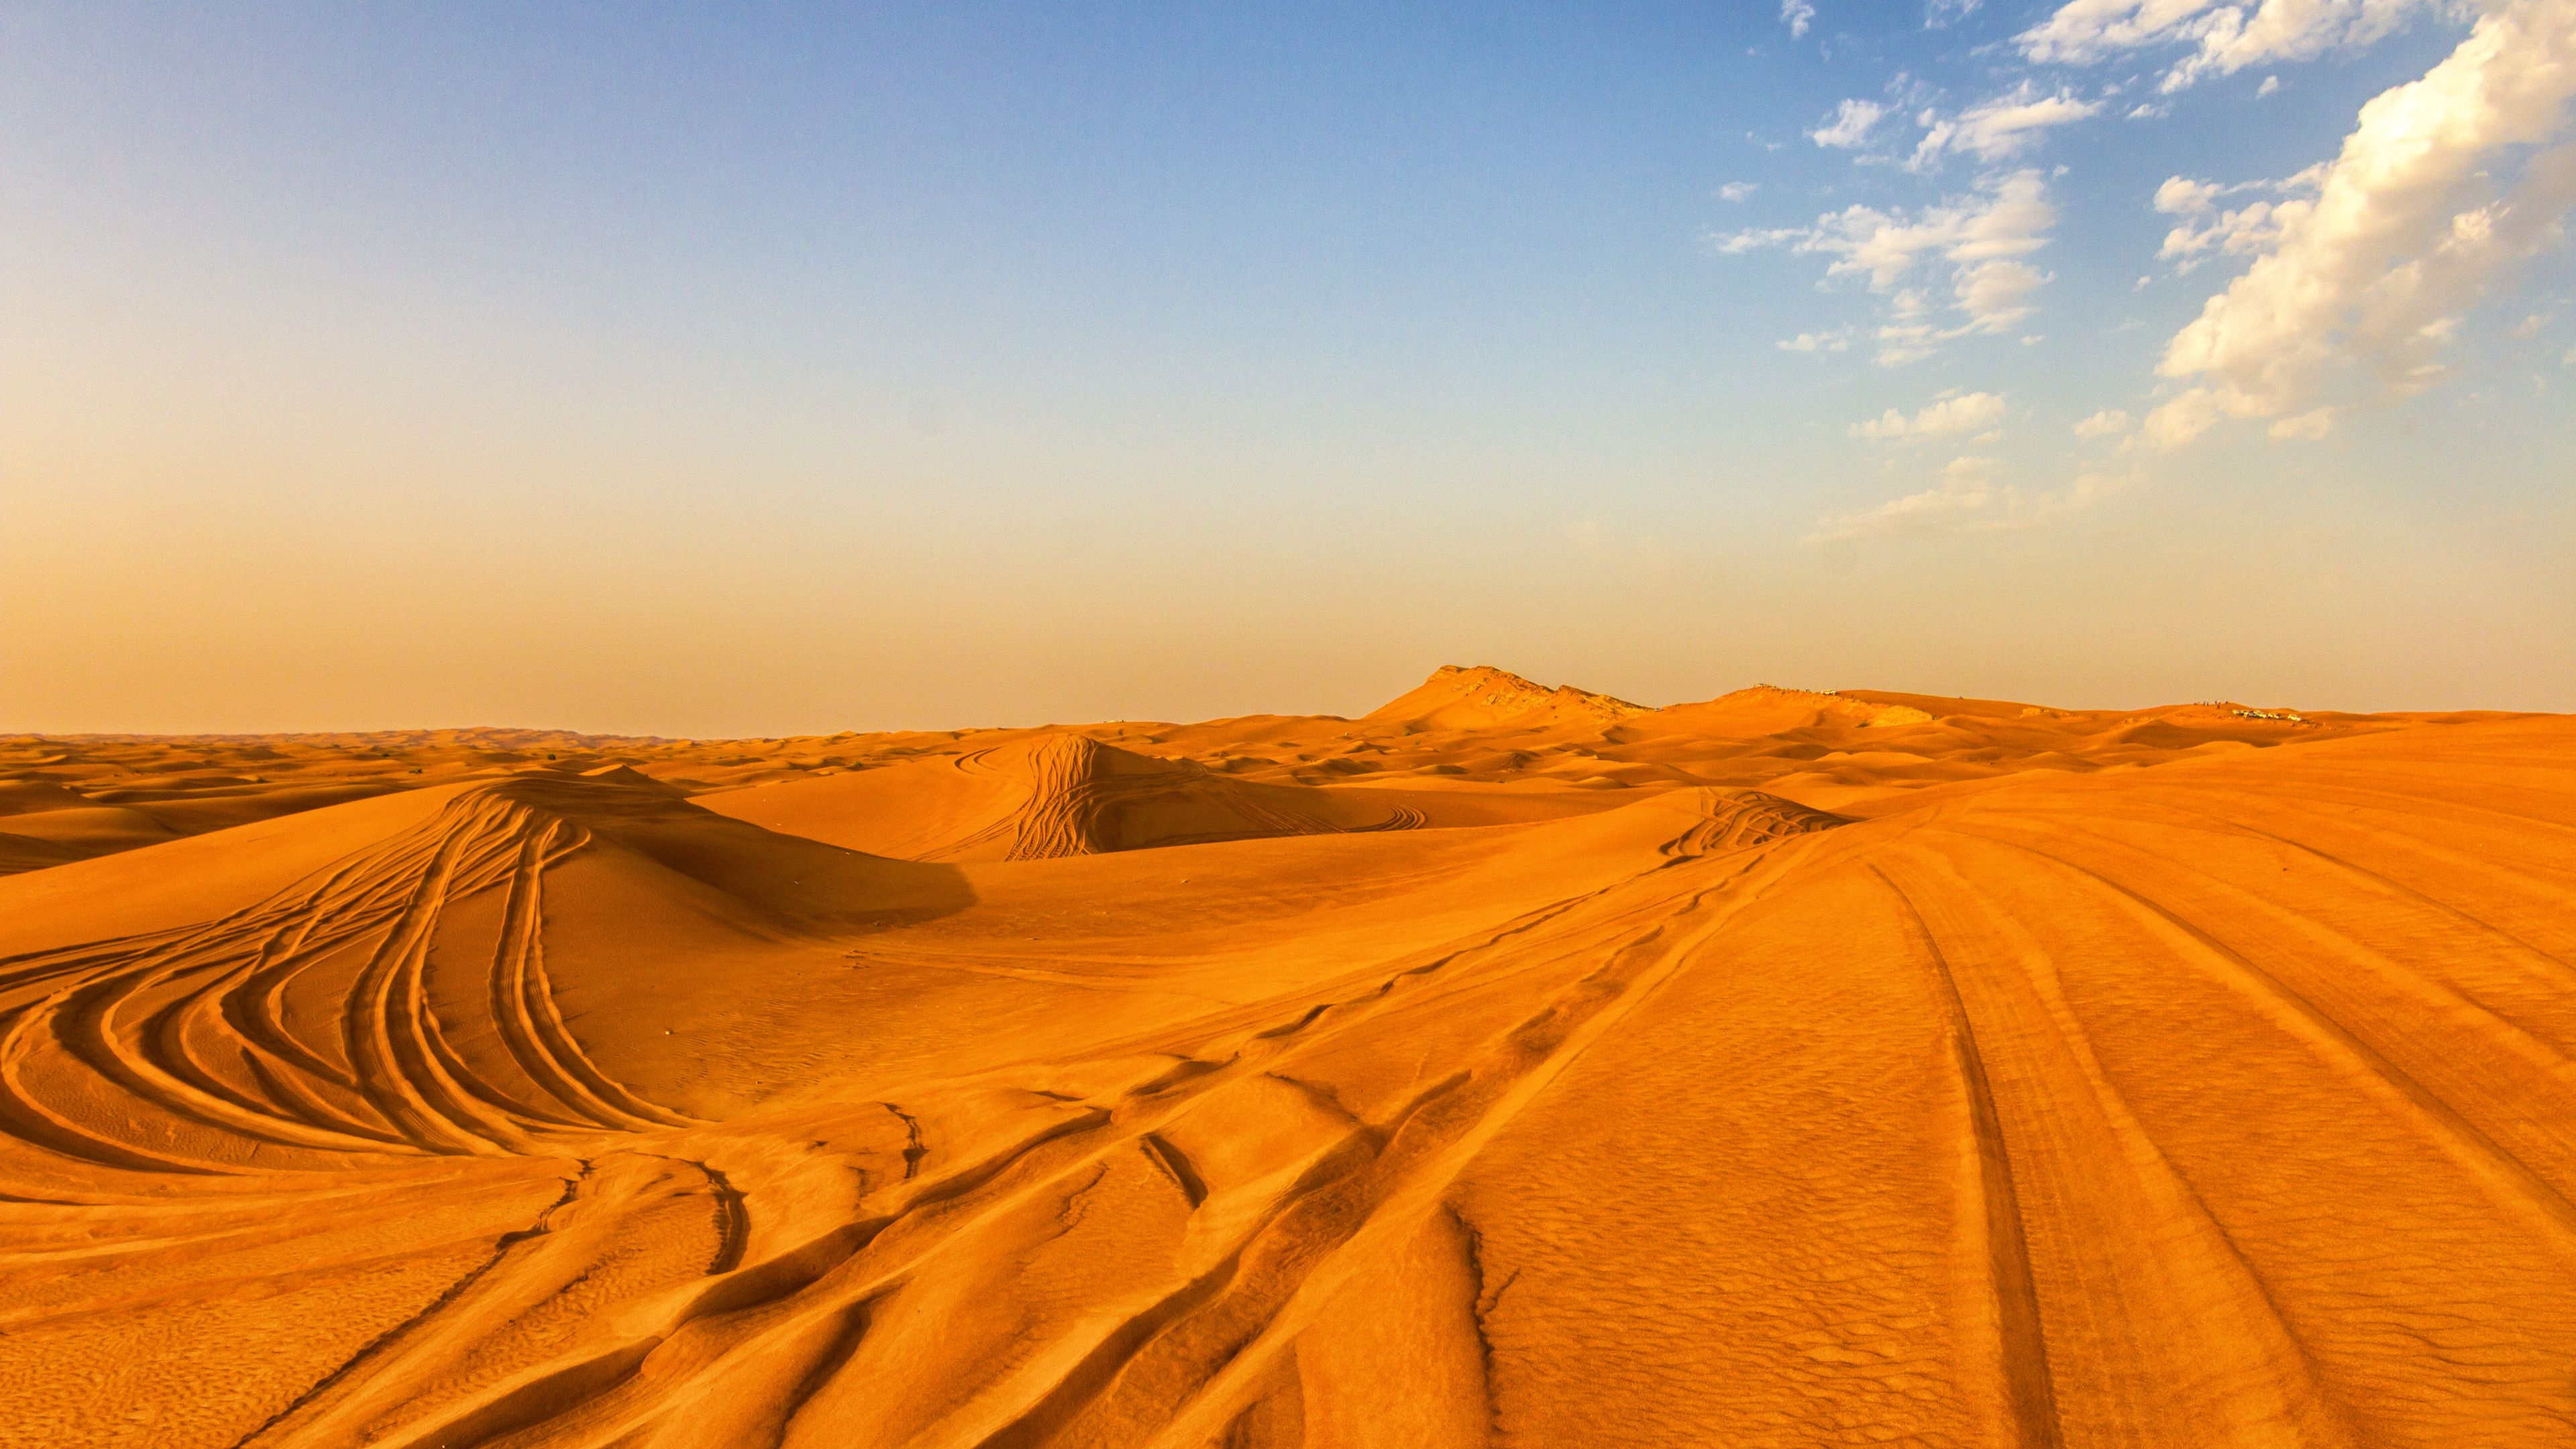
(1512, 1065)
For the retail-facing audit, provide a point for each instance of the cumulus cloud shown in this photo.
(2108, 423)
(1968, 500)
(2182, 196)
(2000, 128)
(1850, 126)
(2207, 230)
(1835, 341)
(2219, 37)
(1983, 240)
(1737, 190)
(1797, 15)
(2408, 226)
(1969, 412)
(1996, 294)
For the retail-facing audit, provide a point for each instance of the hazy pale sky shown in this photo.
(729, 370)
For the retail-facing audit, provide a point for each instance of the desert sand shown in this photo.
(1509, 1066)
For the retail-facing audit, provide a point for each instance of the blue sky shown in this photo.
(716, 371)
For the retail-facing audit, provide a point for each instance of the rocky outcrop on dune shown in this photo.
(1459, 696)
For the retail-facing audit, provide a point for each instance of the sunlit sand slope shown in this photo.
(1051, 794)
(2230, 1101)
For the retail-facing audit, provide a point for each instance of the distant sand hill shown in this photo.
(1459, 697)
(1512, 1065)
(1048, 794)
(1808, 707)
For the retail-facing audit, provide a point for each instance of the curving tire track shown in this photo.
(184, 1038)
(2076, 1075)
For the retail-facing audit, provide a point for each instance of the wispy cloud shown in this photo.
(2108, 423)
(1983, 239)
(2000, 128)
(1797, 15)
(1965, 500)
(1970, 412)
(1837, 340)
(1737, 190)
(1851, 125)
(1968, 499)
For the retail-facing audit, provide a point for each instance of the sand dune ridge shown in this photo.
(1764, 1071)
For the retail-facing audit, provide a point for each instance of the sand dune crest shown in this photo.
(1785, 1069)
(1044, 796)
(1475, 697)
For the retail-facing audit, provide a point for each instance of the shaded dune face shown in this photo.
(1117, 1101)
(1051, 795)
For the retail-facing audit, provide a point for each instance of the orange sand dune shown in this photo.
(1057, 793)
(1511, 1066)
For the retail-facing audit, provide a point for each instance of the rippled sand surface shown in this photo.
(1510, 1066)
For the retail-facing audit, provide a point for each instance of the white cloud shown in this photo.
(1938, 13)
(1756, 238)
(2109, 422)
(2311, 425)
(1996, 294)
(1966, 413)
(1982, 238)
(2242, 230)
(2182, 196)
(1965, 500)
(1838, 340)
(2529, 327)
(2003, 127)
(2206, 229)
(2221, 36)
(1797, 15)
(2408, 226)
(1898, 346)
(2183, 419)
(1850, 126)
(1737, 190)
(2270, 84)
(1968, 500)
